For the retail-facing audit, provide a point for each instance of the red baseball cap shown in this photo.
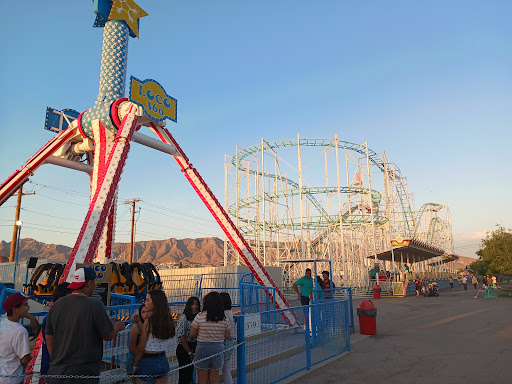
(81, 276)
(14, 300)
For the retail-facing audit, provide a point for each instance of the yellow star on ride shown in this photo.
(129, 12)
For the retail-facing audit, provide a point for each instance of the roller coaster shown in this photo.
(286, 214)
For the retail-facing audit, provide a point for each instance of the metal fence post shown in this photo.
(199, 292)
(240, 351)
(347, 321)
(242, 299)
(351, 309)
(307, 337)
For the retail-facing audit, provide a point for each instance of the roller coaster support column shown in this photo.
(218, 212)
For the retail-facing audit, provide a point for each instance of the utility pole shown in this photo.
(16, 219)
(132, 202)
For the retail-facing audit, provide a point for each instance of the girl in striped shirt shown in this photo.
(210, 327)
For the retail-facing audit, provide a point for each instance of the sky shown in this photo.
(429, 83)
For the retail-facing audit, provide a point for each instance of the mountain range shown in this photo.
(190, 253)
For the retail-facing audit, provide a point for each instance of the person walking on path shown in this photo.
(450, 280)
(14, 348)
(76, 327)
(306, 287)
(474, 281)
(417, 284)
(465, 282)
(185, 350)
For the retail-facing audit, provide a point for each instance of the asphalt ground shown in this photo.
(452, 338)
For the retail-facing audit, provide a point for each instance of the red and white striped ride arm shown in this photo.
(101, 203)
(225, 222)
(18, 178)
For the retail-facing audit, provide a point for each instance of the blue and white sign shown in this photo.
(58, 121)
(252, 323)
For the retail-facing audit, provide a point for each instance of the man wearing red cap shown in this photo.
(14, 349)
(76, 327)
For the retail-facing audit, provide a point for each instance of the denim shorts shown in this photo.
(204, 350)
(156, 366)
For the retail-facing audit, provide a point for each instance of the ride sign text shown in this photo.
(152, 98)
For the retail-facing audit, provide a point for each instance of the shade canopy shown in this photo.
(403, 248)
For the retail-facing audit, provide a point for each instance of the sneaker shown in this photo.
(476, 297)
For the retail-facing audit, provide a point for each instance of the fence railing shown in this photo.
(276, 351)
(267, 348)
(181, 287)
(255, 298)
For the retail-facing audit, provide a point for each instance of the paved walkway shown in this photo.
(452, 338)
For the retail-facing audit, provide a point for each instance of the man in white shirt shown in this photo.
(464, 281)
(14, 348)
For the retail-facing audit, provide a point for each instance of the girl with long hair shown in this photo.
(186, 345)
(150, 358)
(210, 327)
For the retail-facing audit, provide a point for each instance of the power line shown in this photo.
(50, 226)
(49, 230)
(178, 212)
(45, 214)
(179, 229)
(181, 218)
(59, 189)
(63, 201)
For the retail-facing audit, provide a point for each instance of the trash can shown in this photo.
(376, 291)
(367, 313)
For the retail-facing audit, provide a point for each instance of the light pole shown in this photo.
(19, 223)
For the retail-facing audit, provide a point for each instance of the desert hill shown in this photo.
(190, 252)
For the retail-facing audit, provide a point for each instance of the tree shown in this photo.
(495, 253)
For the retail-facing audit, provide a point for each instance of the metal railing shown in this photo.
(181, 287)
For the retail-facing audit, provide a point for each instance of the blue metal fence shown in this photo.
(279, 351)
(181, 287)
(273, 353)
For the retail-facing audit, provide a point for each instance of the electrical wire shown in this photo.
(49, 230)
(181, 218)
(45, 214)
(177, 212)
(178, 229)
(63, 201)
(59, 189)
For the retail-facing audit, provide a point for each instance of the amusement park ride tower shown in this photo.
(102, 136)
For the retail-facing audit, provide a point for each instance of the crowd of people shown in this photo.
(77, 324)
(487, 281)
